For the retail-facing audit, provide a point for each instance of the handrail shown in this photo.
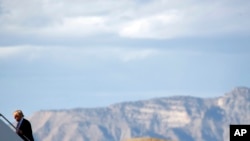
(7, 120)
(27, 139)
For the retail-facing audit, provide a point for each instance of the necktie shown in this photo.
(18, 125)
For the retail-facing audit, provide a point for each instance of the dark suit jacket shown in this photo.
(26, 129)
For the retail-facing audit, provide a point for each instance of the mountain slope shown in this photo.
(174, 118)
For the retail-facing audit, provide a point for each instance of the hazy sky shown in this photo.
(60, 54)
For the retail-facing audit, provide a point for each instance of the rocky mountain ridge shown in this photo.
(180, 118)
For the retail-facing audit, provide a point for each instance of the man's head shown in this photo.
(18, 115)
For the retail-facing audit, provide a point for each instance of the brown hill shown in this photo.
(144, 139)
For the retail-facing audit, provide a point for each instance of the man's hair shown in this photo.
(19, 112)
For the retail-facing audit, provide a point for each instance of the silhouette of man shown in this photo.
(23, 128)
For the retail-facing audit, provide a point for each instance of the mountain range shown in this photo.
(176, 118)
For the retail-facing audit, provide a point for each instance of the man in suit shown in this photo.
(23, 128)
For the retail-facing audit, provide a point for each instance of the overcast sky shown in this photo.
(61, 54)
